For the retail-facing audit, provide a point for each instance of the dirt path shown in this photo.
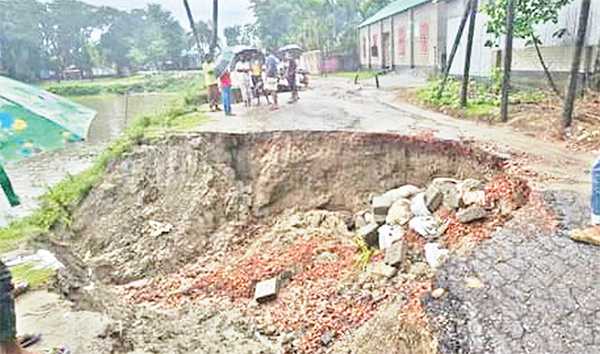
(338, 104)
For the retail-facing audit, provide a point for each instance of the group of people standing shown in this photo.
(256, 76)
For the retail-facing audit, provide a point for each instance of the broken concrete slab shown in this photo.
(399, 213)
(418, 207)
(472, 213)
(433, 198)
(266, 290)
(470, 184)
(473, 197)
(388, 234)
(426, 226)
(369, 234)
(382, 269)
(395, 254)
(405, 192)
(471, 192)
(450, 193)
(435, 254)
(381, 205)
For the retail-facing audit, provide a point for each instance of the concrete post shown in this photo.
(412, 38)
(369, 46)
(380, 50)
(393, 45)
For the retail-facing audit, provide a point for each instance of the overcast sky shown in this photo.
(231, 12)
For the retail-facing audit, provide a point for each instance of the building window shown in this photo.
(402, 41)
(424, 38)
(364, 47)
(374, 49)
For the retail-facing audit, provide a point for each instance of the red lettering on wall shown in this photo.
(402, 41)
(424, 38)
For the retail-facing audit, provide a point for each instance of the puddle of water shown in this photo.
(31, 177)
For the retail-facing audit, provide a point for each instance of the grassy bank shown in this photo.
(362, 74)
(57, 204)
(186, 83)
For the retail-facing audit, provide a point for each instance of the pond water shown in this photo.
(32, 177)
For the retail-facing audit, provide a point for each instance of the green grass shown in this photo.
(56, 205)
(362, 74)
(35, 277)
(484, 97)
(163, 82)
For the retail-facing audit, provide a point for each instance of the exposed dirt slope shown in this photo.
(212, 186)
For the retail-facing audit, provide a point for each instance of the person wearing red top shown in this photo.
(226, 92)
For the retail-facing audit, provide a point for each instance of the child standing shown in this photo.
(226, 91)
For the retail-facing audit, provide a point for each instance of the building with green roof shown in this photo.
(406, 34)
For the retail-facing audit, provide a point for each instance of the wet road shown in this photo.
(30, 178)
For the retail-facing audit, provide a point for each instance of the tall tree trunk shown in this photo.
(465, 86)
(190, 17)
(508, 49)
(545, 67)
(455, 45)
(567, 116)
(213, 45)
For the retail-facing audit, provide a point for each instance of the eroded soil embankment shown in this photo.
(215, 188)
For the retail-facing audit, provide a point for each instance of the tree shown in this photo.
(21, 54)
(232, 35)
(579, 43)
(67, 27)
(467, 68)
(508, 51)
(528, 15)
(249, 36)
(313, 24)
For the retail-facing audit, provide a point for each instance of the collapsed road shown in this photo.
(211, 197)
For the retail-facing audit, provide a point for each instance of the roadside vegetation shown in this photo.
(362, 74)
(484, 97)
(189, 84)
(532, 111)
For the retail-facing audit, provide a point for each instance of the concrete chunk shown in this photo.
(266, 290)
(450, 194)
(405, 192)
(369, 234)
(381, 205)
(418, 206)
(382, 270)
(399, 213)
(472, 213)
(394, 256)
(433, 198)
